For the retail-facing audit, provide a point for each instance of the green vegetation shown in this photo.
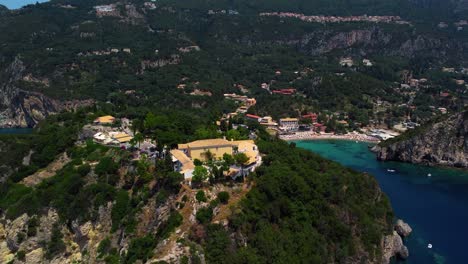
(55, 245)
(200, 174)
(204, 215)
(223, 197)
(302, 208)
(201, 196)
(296, 212)
(140, 249)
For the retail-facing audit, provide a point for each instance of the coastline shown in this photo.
(310, 136)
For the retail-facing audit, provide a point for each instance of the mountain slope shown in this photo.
(71, 50)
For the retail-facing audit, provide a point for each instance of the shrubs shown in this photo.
(175, 220)
(21, 255)
(33, 223)
(140, 249)
(204, 215)
(106, 166)
(120, 209)
(201, 196)
(84, 169)
(200, 174)
(104, 247)
(223, 197)
(55, 245)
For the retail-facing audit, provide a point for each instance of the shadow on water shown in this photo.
(434, 201)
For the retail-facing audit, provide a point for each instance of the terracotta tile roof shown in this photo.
(122, 137)
(206, 143)
(187, 163)
(105, 119)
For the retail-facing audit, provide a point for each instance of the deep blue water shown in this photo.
(10, 131)
(436, 207)
(15, 4)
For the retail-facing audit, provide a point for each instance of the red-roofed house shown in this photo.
(319, 127)
(289, 91)
(311, 116)
(252, 117)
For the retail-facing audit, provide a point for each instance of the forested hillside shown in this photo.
(166, 73)
(69, 50)
(101, 206)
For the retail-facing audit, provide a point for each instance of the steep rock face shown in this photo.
(325, 41)
(368, 40)
(393, 247)
(443, 143)
(19, 108)
(402, 228)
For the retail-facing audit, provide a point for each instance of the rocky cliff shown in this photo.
(441, 143)
(20, 108)
(392, 244)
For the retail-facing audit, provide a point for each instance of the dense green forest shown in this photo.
(235, 49)
(304, 209)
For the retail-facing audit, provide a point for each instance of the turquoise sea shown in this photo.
(15, 4)
(435, 206)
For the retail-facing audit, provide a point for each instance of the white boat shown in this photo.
(390, 170)
(429, 245)
(429, 175)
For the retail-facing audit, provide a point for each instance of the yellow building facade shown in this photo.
(199, 149)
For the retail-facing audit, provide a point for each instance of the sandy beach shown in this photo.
(308, 135)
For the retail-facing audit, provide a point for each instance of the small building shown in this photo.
(346, 62)
(120, 138)
(289, 123)
(268, 121)
(367, 62)
(312, 116)
(442, 110)
(100, 137)
(250, 102)
(253, 117)
(198, 149)
(319, 127)
(444, 94)
(104, 120)
(182, 163)
(265, 86)
(289, 91)
(343, 122)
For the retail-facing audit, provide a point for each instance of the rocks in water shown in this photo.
(393, 247)
(393, 244)
(402, 228)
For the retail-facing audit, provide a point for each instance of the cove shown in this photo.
(436, 207)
